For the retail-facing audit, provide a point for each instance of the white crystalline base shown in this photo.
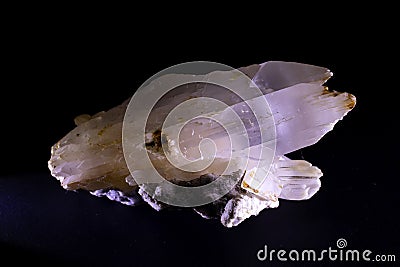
(242, 207)
(90, 157)
(231, 209)
(130, 199)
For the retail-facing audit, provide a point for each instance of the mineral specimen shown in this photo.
(91, 156)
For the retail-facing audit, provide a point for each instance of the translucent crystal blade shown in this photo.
(276, 75)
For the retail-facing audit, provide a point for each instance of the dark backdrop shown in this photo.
(59, 71)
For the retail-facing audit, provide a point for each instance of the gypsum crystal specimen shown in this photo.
(91, 156)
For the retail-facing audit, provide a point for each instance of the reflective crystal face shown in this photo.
(292, 110)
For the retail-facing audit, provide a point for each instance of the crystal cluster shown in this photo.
(91, 156)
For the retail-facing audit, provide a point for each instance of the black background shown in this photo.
(60, 68)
